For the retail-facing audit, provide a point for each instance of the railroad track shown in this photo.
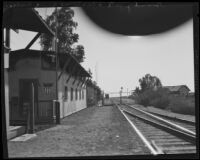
(160, 135)
(181, 122)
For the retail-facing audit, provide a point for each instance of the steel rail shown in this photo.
(154, 150)
(161, 148)
(166, 122)
(169, 129)
(174, 118)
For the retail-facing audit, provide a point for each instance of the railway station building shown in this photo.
(25, 19)
(31, 77)
(34, 69)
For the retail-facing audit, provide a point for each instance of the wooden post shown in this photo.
(80, 81)
(33, 40)
(31, 111)
(84, 81)
(57, 105)
(7, 37)
(103, 99)
(6, 79)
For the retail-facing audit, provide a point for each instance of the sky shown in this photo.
(120, 61)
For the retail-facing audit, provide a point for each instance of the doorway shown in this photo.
(28, 94)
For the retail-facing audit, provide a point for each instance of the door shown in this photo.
(28, 97)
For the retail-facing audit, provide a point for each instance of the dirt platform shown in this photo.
(90, 132)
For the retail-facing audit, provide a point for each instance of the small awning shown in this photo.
(26, 19)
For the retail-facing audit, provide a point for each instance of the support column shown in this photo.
(6, 80)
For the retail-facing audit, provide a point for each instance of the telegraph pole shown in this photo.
(57, 105)
(56, 52)
(121, 95)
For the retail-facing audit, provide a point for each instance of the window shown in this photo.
(66, 93)
(79, 94)
(76, 94)
(72, 94)
(82, 94)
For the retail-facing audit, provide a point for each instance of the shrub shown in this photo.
(90, 102)
(142, 99)
(157, 98)
(160, 102)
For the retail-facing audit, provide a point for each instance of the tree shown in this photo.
(79, 53)
(149, 82)
(65, 33)
(90, 72)
(137, 90)
(151, 92)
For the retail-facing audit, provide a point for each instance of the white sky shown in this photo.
(122, 60)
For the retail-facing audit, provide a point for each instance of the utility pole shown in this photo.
(102, 98)
(56, 52)
(121, 95)
(57, 105)
(96, 72)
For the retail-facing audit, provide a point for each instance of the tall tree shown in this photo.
(137, 90)
(79, 53)
(149, 82)
(90, 72)
(66, 37)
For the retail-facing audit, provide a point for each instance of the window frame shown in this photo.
(65, 93)
(72, 92)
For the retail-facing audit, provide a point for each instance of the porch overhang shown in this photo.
(26, 19)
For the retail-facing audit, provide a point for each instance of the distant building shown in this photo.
(191, 94)
(93, 93)
(178, 90)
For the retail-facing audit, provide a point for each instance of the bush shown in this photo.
(90, 102)
(157, 98)
(182, 105)
(161, 102)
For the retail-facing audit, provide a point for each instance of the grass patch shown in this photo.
(182, 105)
(161, 99)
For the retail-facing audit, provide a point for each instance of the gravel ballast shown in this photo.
(151, 109)
(90, 132)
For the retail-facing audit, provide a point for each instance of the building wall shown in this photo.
(30, 68)
(68, 106)
(91, 96)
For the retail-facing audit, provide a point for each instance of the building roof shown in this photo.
(62, 57)
(175, 88)
(26, 19)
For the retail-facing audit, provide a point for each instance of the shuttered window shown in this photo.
(79, 94)
(66, 93)
(82, 94)
(76, 94)
(72, 90)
